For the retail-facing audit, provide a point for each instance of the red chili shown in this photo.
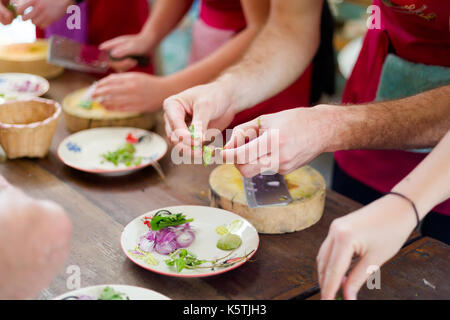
(131, 139)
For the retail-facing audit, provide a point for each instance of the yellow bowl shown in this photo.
(27, 127)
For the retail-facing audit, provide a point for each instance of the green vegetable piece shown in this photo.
(124, 155)
(229, 242)
(180, 263)
(85, 104)
(207, 155)
(12, 8)
(111, 294)
(159, 222)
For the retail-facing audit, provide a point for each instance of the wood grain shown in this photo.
(284, 267)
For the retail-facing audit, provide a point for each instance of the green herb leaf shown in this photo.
(159, 222)
(85, 104)
(207, 155)
(123, 155)
(110, 294)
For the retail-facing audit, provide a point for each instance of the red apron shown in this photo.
(108, 19)
(417, 31)
(228, 16)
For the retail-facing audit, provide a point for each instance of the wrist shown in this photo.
(401, 212)
(226, 84)
(419, 197)
(329, 119)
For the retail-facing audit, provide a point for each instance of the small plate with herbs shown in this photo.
(189, 241)
(112, 292)
(112, 151)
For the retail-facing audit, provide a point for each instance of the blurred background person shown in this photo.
(220, 36)
(34, 242)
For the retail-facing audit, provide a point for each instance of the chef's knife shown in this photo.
(266, 191)
(70, 54)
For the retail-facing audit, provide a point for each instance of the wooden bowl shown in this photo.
(27, 127)
(28, 58)
(306, 186)
(77, 118)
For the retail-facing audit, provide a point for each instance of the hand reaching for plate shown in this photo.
(375, 233)
(132, 92)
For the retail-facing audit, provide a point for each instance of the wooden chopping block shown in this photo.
(77, 118)
(306, 186)
(28, 58)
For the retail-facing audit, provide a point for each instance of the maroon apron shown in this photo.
(416, 31)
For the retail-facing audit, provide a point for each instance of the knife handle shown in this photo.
(142, 61)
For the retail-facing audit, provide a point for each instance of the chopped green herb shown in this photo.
(229, 242)
(12, 8)
(86, 104)
(207, 155)
(111, 294)
(182, 259)
(208, 151)
(124, 155)
(159, 222)
(192, 131)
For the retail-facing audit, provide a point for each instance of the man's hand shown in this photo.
(34, 242)
(6, 15)
(289, 138)
(44, 12)
(127, 45)
(209, 106)
(375, 233)
(132, 91)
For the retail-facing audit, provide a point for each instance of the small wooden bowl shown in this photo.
(27, 127)
(28, 58)
(78, 119)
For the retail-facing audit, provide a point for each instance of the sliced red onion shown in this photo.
(185, 239)
(166, 247)
(167, 240)
(147, 241)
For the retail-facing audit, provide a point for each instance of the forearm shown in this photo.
(278, 56)
(165, 16)
(415, 122)
(209, 68)
(429, 183)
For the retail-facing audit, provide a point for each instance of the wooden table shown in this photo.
(284, 267)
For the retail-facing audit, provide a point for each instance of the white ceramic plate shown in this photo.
(206, 220)
(134, 293)
(15, 86)
(83, 150)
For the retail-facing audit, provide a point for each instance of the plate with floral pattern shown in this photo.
(112, 151)
(15, 86)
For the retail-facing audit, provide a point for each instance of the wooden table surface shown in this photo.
(284, 267)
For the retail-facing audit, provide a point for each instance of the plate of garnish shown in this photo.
(112, 151)
(112, 292)
(14, 86)
(189, 241)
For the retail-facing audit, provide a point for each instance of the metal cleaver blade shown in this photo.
(266, 190)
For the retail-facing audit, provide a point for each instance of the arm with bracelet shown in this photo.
(378, 231)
